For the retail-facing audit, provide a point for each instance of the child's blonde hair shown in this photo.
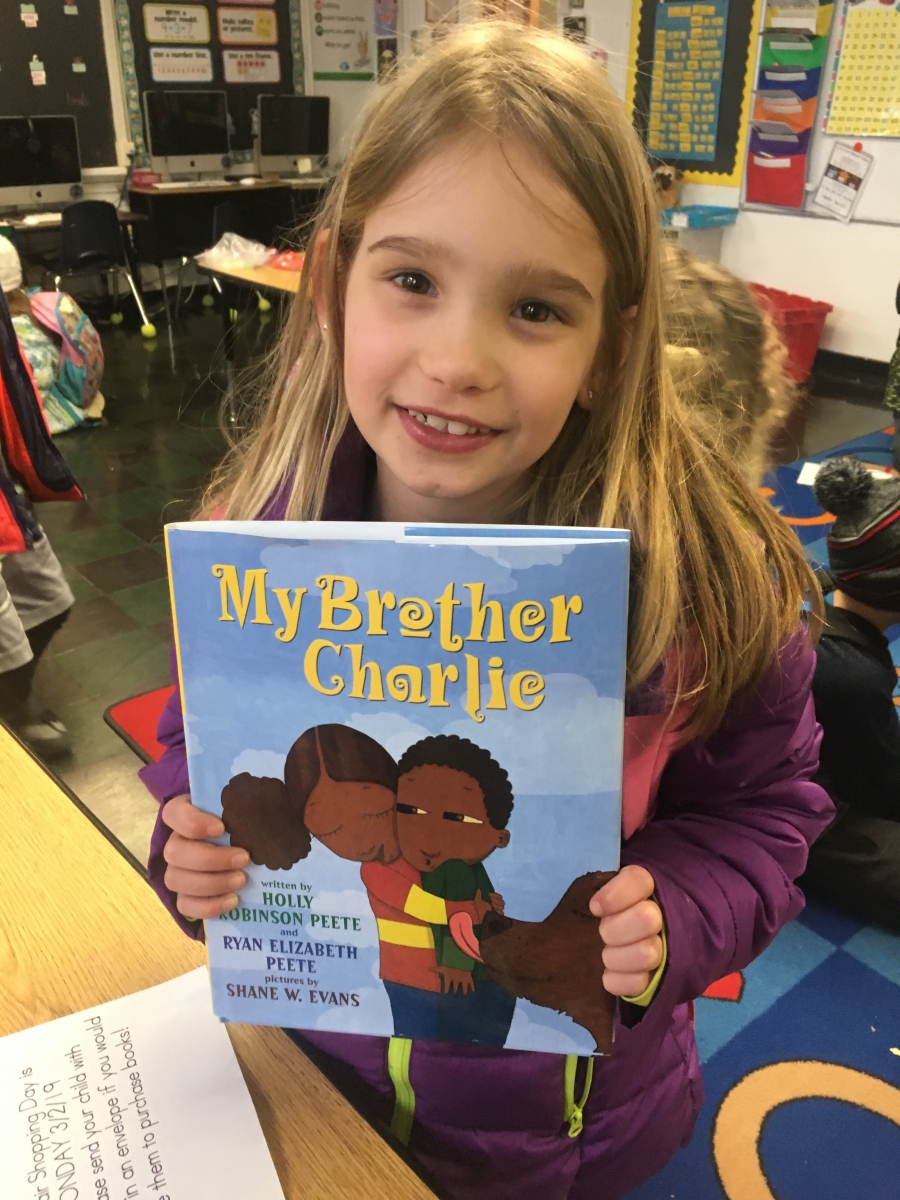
(717, 576)
(726, 357)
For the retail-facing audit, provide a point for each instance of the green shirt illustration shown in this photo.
(457, 880)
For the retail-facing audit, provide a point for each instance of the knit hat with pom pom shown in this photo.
(864, 541)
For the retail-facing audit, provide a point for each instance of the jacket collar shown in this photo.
(849, 626)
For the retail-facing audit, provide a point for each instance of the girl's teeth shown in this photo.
(457, 428)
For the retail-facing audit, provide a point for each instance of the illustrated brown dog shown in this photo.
(557, 962)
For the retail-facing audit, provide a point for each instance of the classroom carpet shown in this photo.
(801, 1051)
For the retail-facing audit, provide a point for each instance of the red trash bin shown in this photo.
(800, 322)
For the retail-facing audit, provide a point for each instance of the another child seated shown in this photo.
(855, 864)
(727, 358)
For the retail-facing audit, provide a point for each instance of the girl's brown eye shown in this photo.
(413, 281)
(410, 810)
(535, 311)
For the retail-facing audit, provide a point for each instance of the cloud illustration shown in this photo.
(393, 731)
(567, 752)
(517, 558)
(262, 763)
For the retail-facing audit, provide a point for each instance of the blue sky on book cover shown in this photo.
(303, 949)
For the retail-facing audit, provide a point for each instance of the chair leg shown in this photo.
(116, 317)
(184, 263)
(165, 293)
(147, 329)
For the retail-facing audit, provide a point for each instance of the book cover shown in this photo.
(416, 733)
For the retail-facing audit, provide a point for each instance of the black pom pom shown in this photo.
(843, 485)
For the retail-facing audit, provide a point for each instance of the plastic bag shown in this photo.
(232, 250)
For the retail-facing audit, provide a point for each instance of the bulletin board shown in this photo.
(69, 47)
(689, 84)
(242, 47)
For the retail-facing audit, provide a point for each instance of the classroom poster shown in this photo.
(247, 27)
(343, 42)
(251, 66)
(176, 23)
(866, 100)
(688, 54)
(180, 65)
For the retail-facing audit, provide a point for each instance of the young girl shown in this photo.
(726, 358)
(479, 337)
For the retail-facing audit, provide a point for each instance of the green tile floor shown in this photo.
(145, 466)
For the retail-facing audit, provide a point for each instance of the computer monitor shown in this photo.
(187, 132)
(39, 161)
(291, 127)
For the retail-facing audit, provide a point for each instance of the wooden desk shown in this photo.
(266, 279)
(22, 225)
(79, 926)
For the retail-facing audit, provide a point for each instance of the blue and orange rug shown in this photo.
(801, 1052)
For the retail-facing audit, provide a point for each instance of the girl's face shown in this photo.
(473, 314)
(357, 821)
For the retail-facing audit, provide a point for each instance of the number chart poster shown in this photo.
(867, 89)
(688, 59)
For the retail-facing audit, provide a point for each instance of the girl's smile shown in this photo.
(444, 433)
(472, 321)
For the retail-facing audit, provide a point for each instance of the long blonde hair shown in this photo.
(718, 579)
(727, 358)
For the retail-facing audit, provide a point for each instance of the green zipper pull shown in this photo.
(574, 1113)
(399, 1050)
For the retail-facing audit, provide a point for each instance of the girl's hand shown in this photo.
(206, 878)
(630, 925)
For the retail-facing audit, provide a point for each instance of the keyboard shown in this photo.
(43, 218)
(169, 185)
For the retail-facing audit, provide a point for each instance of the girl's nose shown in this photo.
(461, 355)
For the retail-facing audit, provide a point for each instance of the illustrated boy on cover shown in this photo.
(340, 787)
(453, 805)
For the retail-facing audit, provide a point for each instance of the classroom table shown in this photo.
(268, 281)
(79, 926)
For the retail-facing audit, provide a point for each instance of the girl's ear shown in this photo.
(319, 252)
(588, 390)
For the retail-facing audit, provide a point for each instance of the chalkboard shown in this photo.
(724, 163)
(59, 40)
(241, 97)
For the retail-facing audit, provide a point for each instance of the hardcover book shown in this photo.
(416, 734)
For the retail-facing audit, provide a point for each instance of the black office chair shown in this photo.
(92, 241)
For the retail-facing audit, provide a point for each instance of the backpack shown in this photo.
(80, 352)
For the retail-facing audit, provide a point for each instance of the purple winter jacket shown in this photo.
(733, 821)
